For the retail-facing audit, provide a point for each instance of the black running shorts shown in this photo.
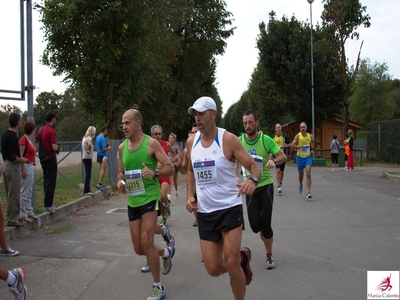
(211, 225)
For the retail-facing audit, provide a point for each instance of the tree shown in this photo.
(374, 94)
(281, 85)
(155, 56)
(265, 100)
(340, 20)
(5, 112)
(72, 121)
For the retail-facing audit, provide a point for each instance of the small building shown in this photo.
(324, 134)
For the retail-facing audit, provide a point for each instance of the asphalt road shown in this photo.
(323, 247)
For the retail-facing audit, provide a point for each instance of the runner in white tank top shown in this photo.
(214, 175)
(213, 153)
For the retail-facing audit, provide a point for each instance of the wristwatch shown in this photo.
(156, 172)
(254, 179)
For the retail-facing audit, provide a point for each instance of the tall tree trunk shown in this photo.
(110, 119)
(345, 111)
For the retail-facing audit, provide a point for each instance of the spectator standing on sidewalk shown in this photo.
(102, 147)
(350, 158)
(5, 250)
(335, 148)
(346, 151)
(46, 142)
(27, 150)
(12, 161)
(87, 157)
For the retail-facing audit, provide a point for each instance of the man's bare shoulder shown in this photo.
(230, 137)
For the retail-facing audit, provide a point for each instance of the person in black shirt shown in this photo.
(12, 169)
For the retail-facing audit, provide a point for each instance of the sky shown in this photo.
(234, 69)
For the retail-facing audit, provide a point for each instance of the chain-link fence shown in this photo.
(70, 161)
(383, 140)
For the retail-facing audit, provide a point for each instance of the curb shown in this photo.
(391, 177)
(64, 210)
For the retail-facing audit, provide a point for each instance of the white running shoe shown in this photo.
(18, 289)
(157, 294)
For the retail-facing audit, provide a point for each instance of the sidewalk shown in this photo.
(323, 247)
(46, 218)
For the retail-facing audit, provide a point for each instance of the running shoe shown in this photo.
(100, 186)
(157, 294)
(167, 211)
(167, 236)
(176, 195)
(246, 254)
(308, 196)
(18, 289)
(279, 189)
(301, 188)
(51, 209)
(195, 223)
(270, 263)
(9, 252)
(167, 262)
(146, 268)
(163, 221)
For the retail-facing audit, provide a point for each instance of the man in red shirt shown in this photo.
(156, 133)
(48, 149)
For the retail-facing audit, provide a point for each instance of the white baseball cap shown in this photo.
(202, 104)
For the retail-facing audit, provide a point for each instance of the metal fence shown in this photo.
(383, 141)
(71, 156)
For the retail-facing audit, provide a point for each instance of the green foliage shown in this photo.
(71, 120)
(5, 112)
(234, 116)
(372, 98)
(384, 142)
(340, 20)
(156, 56)
(281, 84)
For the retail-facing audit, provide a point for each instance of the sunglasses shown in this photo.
(157, 133)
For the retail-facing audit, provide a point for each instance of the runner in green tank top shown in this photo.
(259, 205)
(139, 156)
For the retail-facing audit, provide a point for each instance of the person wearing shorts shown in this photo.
(259, 205)
(283, 142)
(156, 133)
(303, 142)
(102, 147)
(213, 153)
(141, 161)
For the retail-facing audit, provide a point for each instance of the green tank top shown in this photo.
(140, 191)
(261, 147)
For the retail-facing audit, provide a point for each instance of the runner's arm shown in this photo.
(190, 181)
(121, 172)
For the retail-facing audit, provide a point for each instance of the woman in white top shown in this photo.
(87, 157)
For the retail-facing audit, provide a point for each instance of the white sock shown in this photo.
(158, 284)
(11, 278)
(166, 253)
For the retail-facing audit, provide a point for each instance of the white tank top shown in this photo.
(215, 175)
